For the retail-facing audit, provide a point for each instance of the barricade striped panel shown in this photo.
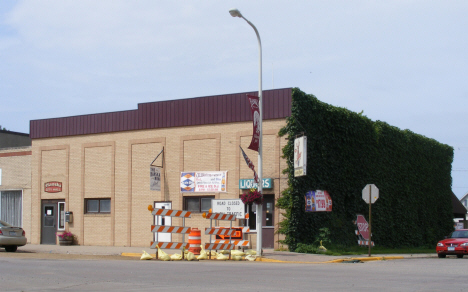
(170, 245)
(244, 229)
(235, 242)
(365, 242)
(220, 216)
(171, 213)
(211, 246)
(170, 229)
(220, 231)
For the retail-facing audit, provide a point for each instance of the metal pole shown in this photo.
(370, 220)
(259, 214)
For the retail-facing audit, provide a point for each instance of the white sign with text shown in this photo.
(231, 207)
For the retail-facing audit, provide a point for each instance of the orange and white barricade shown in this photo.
(170, 229)
(222, 231)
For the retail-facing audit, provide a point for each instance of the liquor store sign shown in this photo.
(245, 184)
(53, 187)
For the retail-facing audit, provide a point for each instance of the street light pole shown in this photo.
(236, 13)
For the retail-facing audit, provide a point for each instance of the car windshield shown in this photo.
(459, 234)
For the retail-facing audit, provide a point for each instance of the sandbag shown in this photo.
(202, 256)
(237, 252)
(190, 256)
(251, 252)
(162, 255)
(222, 257)
(176, 257)
(251, 258)
(146, 256)
(237, 257)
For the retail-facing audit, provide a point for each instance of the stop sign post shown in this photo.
(370, 194)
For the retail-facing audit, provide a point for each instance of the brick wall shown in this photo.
(15, 164)
(116, 166)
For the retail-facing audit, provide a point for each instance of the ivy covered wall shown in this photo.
(346, 151)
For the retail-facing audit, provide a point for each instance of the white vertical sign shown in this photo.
(155, 178)
(300, 156)
(0, 176)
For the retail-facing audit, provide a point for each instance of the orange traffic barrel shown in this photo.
(194, 241)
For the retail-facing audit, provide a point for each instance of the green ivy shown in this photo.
(345, 152)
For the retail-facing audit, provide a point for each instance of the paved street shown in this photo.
(102, 274)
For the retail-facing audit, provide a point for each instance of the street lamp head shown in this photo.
(235, 12)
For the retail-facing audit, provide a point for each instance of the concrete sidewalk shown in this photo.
(269, 255)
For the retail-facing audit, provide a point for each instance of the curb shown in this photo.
(266, 260)
(362, 259)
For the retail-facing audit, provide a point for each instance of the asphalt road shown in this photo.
(114, 274)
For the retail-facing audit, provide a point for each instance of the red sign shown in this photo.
(363, 226)
(255, 108)
(53, 187)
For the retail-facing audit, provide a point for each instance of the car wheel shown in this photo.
(441, 255)
(459, 256)
(11, 248)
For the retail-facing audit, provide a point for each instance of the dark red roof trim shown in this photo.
(218, 109)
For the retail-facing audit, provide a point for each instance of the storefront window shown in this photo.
(198, 204)
(98, 205)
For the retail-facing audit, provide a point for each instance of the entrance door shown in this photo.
(268, 218)
(268, 230)
(163, 220)
(49, 223)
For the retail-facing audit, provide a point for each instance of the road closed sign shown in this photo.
(231, 207)
(363, 226)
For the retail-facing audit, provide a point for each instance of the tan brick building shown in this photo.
(15, 179)
(98, 166)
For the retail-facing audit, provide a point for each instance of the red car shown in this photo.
(455, 244)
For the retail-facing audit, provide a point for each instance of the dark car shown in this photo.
(455, 244)
(11, 237)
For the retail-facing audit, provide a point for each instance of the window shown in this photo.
(97, 206)
(61, 216)
(197, 204)
(11, 203)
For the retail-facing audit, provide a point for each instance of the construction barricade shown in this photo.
(220, 231)
(170, 229)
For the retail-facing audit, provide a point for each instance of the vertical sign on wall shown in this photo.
(155, 178)
(300, 156)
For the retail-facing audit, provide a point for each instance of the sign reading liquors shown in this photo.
(155, 178)
(231, 207)
(300, 156)
(249, 183)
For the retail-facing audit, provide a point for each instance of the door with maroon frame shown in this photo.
(268, 230)
(268, 218)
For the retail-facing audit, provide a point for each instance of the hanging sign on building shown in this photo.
(53, 187)
(155, 178)
(318, 201)
(245, 184)
(300, 156)
(203, 181)
(229, 206)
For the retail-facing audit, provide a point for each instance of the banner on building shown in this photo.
(155, 178)
(255, 108)
(300, 156)
(318, 201)
(249, 164)
(203, 181)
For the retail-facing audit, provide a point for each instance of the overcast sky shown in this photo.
(402, 62)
